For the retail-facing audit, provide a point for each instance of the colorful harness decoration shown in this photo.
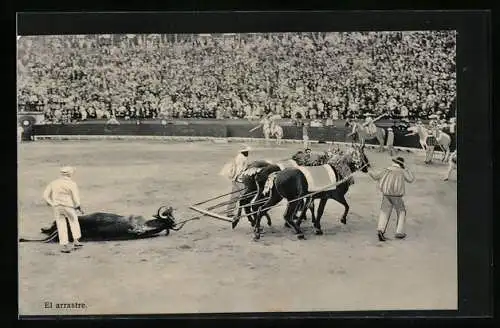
(319, 177)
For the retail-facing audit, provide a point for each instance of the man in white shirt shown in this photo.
(20, 131)
(63, 196)
(239, 164)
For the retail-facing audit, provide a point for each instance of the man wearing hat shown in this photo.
(236, 167)
(433, 125)
(370, 126)
(391, 182)
(63, 196)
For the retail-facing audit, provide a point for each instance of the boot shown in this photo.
(381, 236)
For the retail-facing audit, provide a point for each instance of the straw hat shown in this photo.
(245, 148)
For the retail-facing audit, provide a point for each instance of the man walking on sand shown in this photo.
(232, 170)
(63, 196)
(391, 182)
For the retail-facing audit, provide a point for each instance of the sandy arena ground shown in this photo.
(207, 266)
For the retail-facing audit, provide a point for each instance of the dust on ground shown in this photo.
(207, 266)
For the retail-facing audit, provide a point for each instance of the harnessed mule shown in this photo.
(291, 184)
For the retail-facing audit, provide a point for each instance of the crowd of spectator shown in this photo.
(313, 75)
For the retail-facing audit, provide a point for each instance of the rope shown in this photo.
(313, 193)
(182, 223)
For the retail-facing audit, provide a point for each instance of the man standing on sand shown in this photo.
(452, 165)
(305, 135)
(63, 196)
(390, 141)
(391, 182)
(232, 170)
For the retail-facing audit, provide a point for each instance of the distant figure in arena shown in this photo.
(305, 135)
(266, 126)
(453, 129)
(20, 131)
(390, 141)
(370, 125)
(63, 196)
(452, 165)
(232, 170)
(112, 121)
(391, 182)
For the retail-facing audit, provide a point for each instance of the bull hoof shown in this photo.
(167, 232)
(301, 236)
(319, 232)
(269, 223)
(343, 221)
(287, 225)
(256, 237)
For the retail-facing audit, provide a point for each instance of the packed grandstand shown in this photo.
(319, 75)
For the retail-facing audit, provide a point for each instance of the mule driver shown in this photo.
(369, 124)
(232, 170)
(391, 183)
(63, 196)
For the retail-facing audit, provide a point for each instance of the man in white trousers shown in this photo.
(452, 165)
(63, 196)
(391, 182)
(236, 167)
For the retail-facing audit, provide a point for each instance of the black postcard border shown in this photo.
(475, 188)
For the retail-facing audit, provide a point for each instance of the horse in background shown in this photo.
(428, 142)
(362, 132)
(273, 130)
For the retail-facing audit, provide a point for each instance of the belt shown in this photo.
(60, 205)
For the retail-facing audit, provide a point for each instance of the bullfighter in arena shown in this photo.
(391, 182)
(63, 196)
(232, 170)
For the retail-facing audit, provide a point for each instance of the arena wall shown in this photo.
(214, 130)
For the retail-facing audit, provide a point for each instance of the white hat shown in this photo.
(67, 170)
(433, 116)
(245, 148)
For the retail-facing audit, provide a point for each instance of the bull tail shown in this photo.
(47, 239)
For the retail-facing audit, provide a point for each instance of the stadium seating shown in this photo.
(319, 75)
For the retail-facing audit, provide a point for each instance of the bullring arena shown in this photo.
(207, 266)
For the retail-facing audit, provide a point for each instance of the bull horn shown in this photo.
(163, 209)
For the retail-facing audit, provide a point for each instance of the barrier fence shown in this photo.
(212, 129)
